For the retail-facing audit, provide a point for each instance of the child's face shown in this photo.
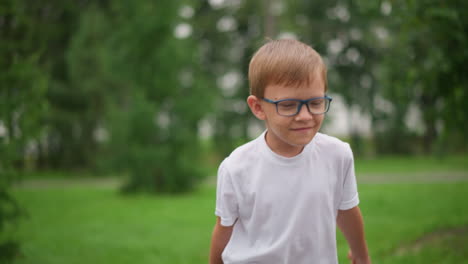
(288, 135)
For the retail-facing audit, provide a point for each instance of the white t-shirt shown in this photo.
(284, 209)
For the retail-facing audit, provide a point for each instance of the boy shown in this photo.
(280, 196)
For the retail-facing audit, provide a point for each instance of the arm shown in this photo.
(351, 225)
(219, 240)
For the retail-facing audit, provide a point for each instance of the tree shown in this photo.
(433, 36)
(148, 73)
(231, 32)
(23, 106)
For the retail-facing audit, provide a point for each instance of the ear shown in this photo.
(256, 107)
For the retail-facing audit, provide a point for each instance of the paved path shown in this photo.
(426, 177)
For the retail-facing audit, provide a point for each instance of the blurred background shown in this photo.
(115, 114)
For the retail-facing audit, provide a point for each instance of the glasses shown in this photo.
(291, 107)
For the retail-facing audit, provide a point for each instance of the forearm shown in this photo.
(351, 225)
(217, 248)
(219, 240)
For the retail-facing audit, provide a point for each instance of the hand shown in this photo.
(350, 257)
(353, 260)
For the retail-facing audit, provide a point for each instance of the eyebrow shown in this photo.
(297, 99)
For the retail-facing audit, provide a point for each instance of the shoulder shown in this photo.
(332, 146)
(325, 139)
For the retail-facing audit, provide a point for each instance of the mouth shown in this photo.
(301, 129)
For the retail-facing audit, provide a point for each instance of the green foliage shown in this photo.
(79, 80)
(150, 88)
(44, 33)
(10, 212)
(92, 86)
(23, 86)
(155, 161)
(227, 52)
(429, 43)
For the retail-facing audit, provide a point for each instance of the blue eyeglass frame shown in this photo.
(301, 103)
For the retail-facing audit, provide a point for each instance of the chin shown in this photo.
(304, 141)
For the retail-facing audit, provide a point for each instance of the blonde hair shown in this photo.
(285, 62)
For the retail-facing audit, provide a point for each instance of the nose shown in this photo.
(304, 114)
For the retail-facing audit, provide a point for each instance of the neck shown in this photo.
(284, 150)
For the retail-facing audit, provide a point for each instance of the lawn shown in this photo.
(88, 221)
(415, 223)
(97, 225)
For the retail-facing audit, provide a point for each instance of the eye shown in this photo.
(317, 102)
(288, 104)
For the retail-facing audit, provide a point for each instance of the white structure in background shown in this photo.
(186, 12)
(183, 30)
(3, 131)
(341, 119)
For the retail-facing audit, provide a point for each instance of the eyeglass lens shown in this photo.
(292, 107)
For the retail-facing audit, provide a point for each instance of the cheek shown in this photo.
(319, 119)
(278, 122)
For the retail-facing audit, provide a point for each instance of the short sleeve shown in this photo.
(350, 197)
(226, 201)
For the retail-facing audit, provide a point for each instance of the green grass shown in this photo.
(82, 225)
(396, 216)
(97, 225)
